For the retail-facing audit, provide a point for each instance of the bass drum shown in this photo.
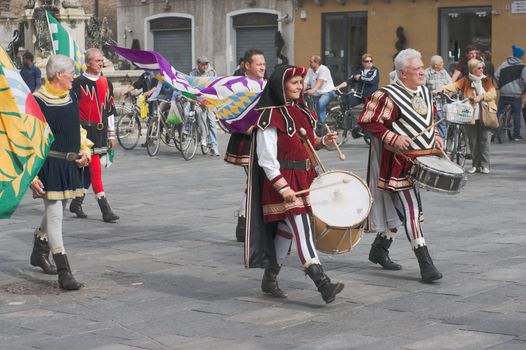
(339, 210)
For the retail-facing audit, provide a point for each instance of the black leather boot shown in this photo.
(379, 253)
(428, 271)
(107, 213)
(269, 283)
(327, 289)
(76, 207)
(40, 256)
(65, 277)
(240, 228)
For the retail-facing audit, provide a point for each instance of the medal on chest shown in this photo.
(419, 104)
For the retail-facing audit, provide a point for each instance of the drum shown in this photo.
(339, 211)
(438, 174)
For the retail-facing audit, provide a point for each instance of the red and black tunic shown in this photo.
(95, 96)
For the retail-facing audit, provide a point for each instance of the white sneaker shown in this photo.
(473, 170)
(484, 170)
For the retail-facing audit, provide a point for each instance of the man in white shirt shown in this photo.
(319, 80)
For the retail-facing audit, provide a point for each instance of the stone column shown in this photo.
(8, 23)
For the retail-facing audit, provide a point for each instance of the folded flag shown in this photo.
(63, 43)
(232, 98)
(25, 137)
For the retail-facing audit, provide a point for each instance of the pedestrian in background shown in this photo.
(30, 73)
(511, 77)
(436, 77)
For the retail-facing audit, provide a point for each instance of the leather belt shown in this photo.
(99, 126)
(69, 156)
(298, 165)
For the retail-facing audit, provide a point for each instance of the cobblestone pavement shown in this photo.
(169, 275)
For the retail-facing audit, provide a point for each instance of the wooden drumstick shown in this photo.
(427, 129)
(340, 154)
(344, 181)
(303, 134)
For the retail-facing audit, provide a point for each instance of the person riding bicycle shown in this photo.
(204, 69)
(365, 80)
(511, 77)
(319, 83)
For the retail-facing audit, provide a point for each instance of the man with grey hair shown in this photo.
(400, 117)
(95, 95)
(436, 77)
(204, 69)
(320, 85)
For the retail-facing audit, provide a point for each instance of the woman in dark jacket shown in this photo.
(365, 80)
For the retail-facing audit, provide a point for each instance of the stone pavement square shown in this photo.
(170, 274)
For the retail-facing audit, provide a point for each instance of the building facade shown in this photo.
(222, 30)
(340, 31)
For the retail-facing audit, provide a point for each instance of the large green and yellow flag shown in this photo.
(63, 43)
(25, 137)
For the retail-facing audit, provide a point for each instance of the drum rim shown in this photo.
(442, 172)
(363, 183)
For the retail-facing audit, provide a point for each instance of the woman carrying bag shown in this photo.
(482, 91)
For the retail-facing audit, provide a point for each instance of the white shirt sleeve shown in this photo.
(267, 151)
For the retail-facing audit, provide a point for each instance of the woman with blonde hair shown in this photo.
(481, 89)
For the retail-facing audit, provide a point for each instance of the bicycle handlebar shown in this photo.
(343, 93)
(452, 99)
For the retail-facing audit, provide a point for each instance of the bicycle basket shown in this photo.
(458, 112)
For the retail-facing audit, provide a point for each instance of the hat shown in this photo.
(517, 51)
(202, 59)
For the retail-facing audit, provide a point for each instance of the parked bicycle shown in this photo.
(129, 126)
(159, 130)
(341, 119)
(456, 112)
(505, 125)
(193, 130)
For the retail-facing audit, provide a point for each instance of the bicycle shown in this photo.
(505, 125)
(456, 142)
(158, 130)
(193, 131)
(341, 119)
(129, 126)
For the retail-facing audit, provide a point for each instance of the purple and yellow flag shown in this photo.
(25, 137)
(231, 98)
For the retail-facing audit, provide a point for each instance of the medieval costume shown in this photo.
(392, 111)
(61, 179)
(280, 162)
(95, 96)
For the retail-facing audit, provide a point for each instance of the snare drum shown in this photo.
(438, 174)
(339, 211)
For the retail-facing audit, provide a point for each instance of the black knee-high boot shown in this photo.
(76, 207)
(240, 228)
(65, 277)
(428, 271)
(107, 213)
(269, 283)
(40, 255)
(379, 253)
(327, 289)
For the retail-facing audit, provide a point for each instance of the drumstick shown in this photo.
(340, 154)
(303, 134)
(344, 181)
(426, 129)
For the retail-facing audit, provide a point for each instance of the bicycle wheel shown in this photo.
(335, 122)
(128, 129)
(178, 130)
(153, 141)
(462, 148)
(451, 141)
(189, 142)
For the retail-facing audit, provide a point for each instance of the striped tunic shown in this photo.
(389, 113)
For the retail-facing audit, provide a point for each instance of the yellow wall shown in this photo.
(419, 20)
